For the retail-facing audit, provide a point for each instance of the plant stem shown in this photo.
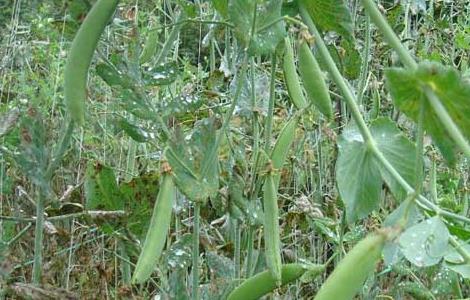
(38, 238)
(363, 129)
(447, 121)
(171, 39)
(388, 33)
(268, 127)
(60, 149)
(195, 254)
(419, 147)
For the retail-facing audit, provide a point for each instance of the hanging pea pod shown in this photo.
(292, 79)
(282, 146)
(313, 80)
(81, 53)
(263, 283)
(272, 239)
(349, 276)
(158, 229)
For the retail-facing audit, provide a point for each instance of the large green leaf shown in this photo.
(190, 157)
(330, 15)
(406, 88)
(101, 189)
(269, 29)
(425, 243)
(359, 175)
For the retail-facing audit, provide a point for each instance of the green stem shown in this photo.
(363, 129)
(268, 127)
(365, 62)
(337, 77)
(447, 121)
(171, 39)
(60, 149)
(388, 33)
(38, 239)
(420, 147)
(195, 254)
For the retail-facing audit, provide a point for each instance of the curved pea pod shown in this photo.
(281, 148)
(272, 239)
(263, 283)
(157, 232)
(81, 54)
(292, 79)
(349, 276)
(313, 80)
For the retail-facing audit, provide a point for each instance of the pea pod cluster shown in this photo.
(263, 283)
(81, 54)
(157, 231)
(349, 276)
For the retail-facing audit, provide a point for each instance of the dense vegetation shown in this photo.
(235, 149)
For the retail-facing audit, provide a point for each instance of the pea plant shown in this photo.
(233, 126)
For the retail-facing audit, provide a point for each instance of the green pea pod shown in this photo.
(314, 83)
(349, 276)
(263, 283)
(282, 146)
(272, 239)
(292, 79)
(157, 231)
(81, 53)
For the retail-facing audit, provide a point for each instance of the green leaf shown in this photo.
(139, 196)
(221, 6)
(101, 189)
(455, 262)
(112, 76)
(269, 29)
(137, 133)
(398, 150)
(359, 175)
(188, 157)
(330, 15)
(162, 74)
(425, 243)
(406, 88)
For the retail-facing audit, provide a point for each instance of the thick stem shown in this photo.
(388, 33)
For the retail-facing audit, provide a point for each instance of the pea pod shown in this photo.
(282, 146)
(263, 283)
(349, 276)
(313, 81)
(292, 79)
(272, 239)
(157, 231)
(81, 53)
